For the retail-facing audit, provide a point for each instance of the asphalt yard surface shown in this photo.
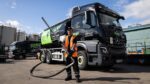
(18, 72)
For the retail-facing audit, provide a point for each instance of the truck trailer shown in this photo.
(101, 40)
(138, 53)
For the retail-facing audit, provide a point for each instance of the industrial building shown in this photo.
(7, 35)
(21, 36)
(138, 39)
(33, 37)
(10, 34)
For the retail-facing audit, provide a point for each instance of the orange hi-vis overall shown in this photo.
(71, 45)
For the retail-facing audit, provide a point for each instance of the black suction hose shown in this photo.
(45, 77)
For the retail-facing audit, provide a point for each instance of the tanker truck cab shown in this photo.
(101, 40)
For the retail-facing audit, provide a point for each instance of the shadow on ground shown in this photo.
(121, 68)
(8, 61)
(109, 79)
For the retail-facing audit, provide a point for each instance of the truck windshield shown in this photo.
(108, 20)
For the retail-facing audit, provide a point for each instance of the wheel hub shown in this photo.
(80, 60)
(42, 57)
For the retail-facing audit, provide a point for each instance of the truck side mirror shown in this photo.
(122, 18)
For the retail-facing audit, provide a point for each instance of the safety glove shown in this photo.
(72, 50)
(69, 55)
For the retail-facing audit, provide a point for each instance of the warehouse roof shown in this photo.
(135, 28)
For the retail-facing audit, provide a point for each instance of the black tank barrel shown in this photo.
(47, 24)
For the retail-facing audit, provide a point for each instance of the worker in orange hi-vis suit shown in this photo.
(70, 45)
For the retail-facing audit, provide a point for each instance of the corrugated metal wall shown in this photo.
(21, 36)
(138, 39)
(138, 36)
(7, 35)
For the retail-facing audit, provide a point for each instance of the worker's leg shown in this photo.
(76, 69)
(68, 70)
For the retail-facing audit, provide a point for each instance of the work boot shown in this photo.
(68, 78)
(78, 80)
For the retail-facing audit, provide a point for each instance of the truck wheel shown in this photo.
(21, 56)
(37, 55)
(24, 56)
(48, 58)
(3, 60)
(42, 57)
(16, 57)
(82, 60)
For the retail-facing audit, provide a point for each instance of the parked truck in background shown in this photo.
(138, 53)
(101, 40)
(3, 53)
(23, 49)
(138, 44)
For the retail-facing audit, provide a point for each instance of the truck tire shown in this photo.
(48, 58)
(3, 60)
(37, 55)
(21, 56)
(24, 56)
(82, 60)
(16, 57)
(42, 57)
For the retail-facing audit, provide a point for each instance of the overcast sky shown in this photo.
(26, 14)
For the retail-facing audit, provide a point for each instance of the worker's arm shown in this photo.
(75, 42)
(63, 46)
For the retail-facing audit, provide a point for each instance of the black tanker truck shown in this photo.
(101, 40)
(23, 49)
